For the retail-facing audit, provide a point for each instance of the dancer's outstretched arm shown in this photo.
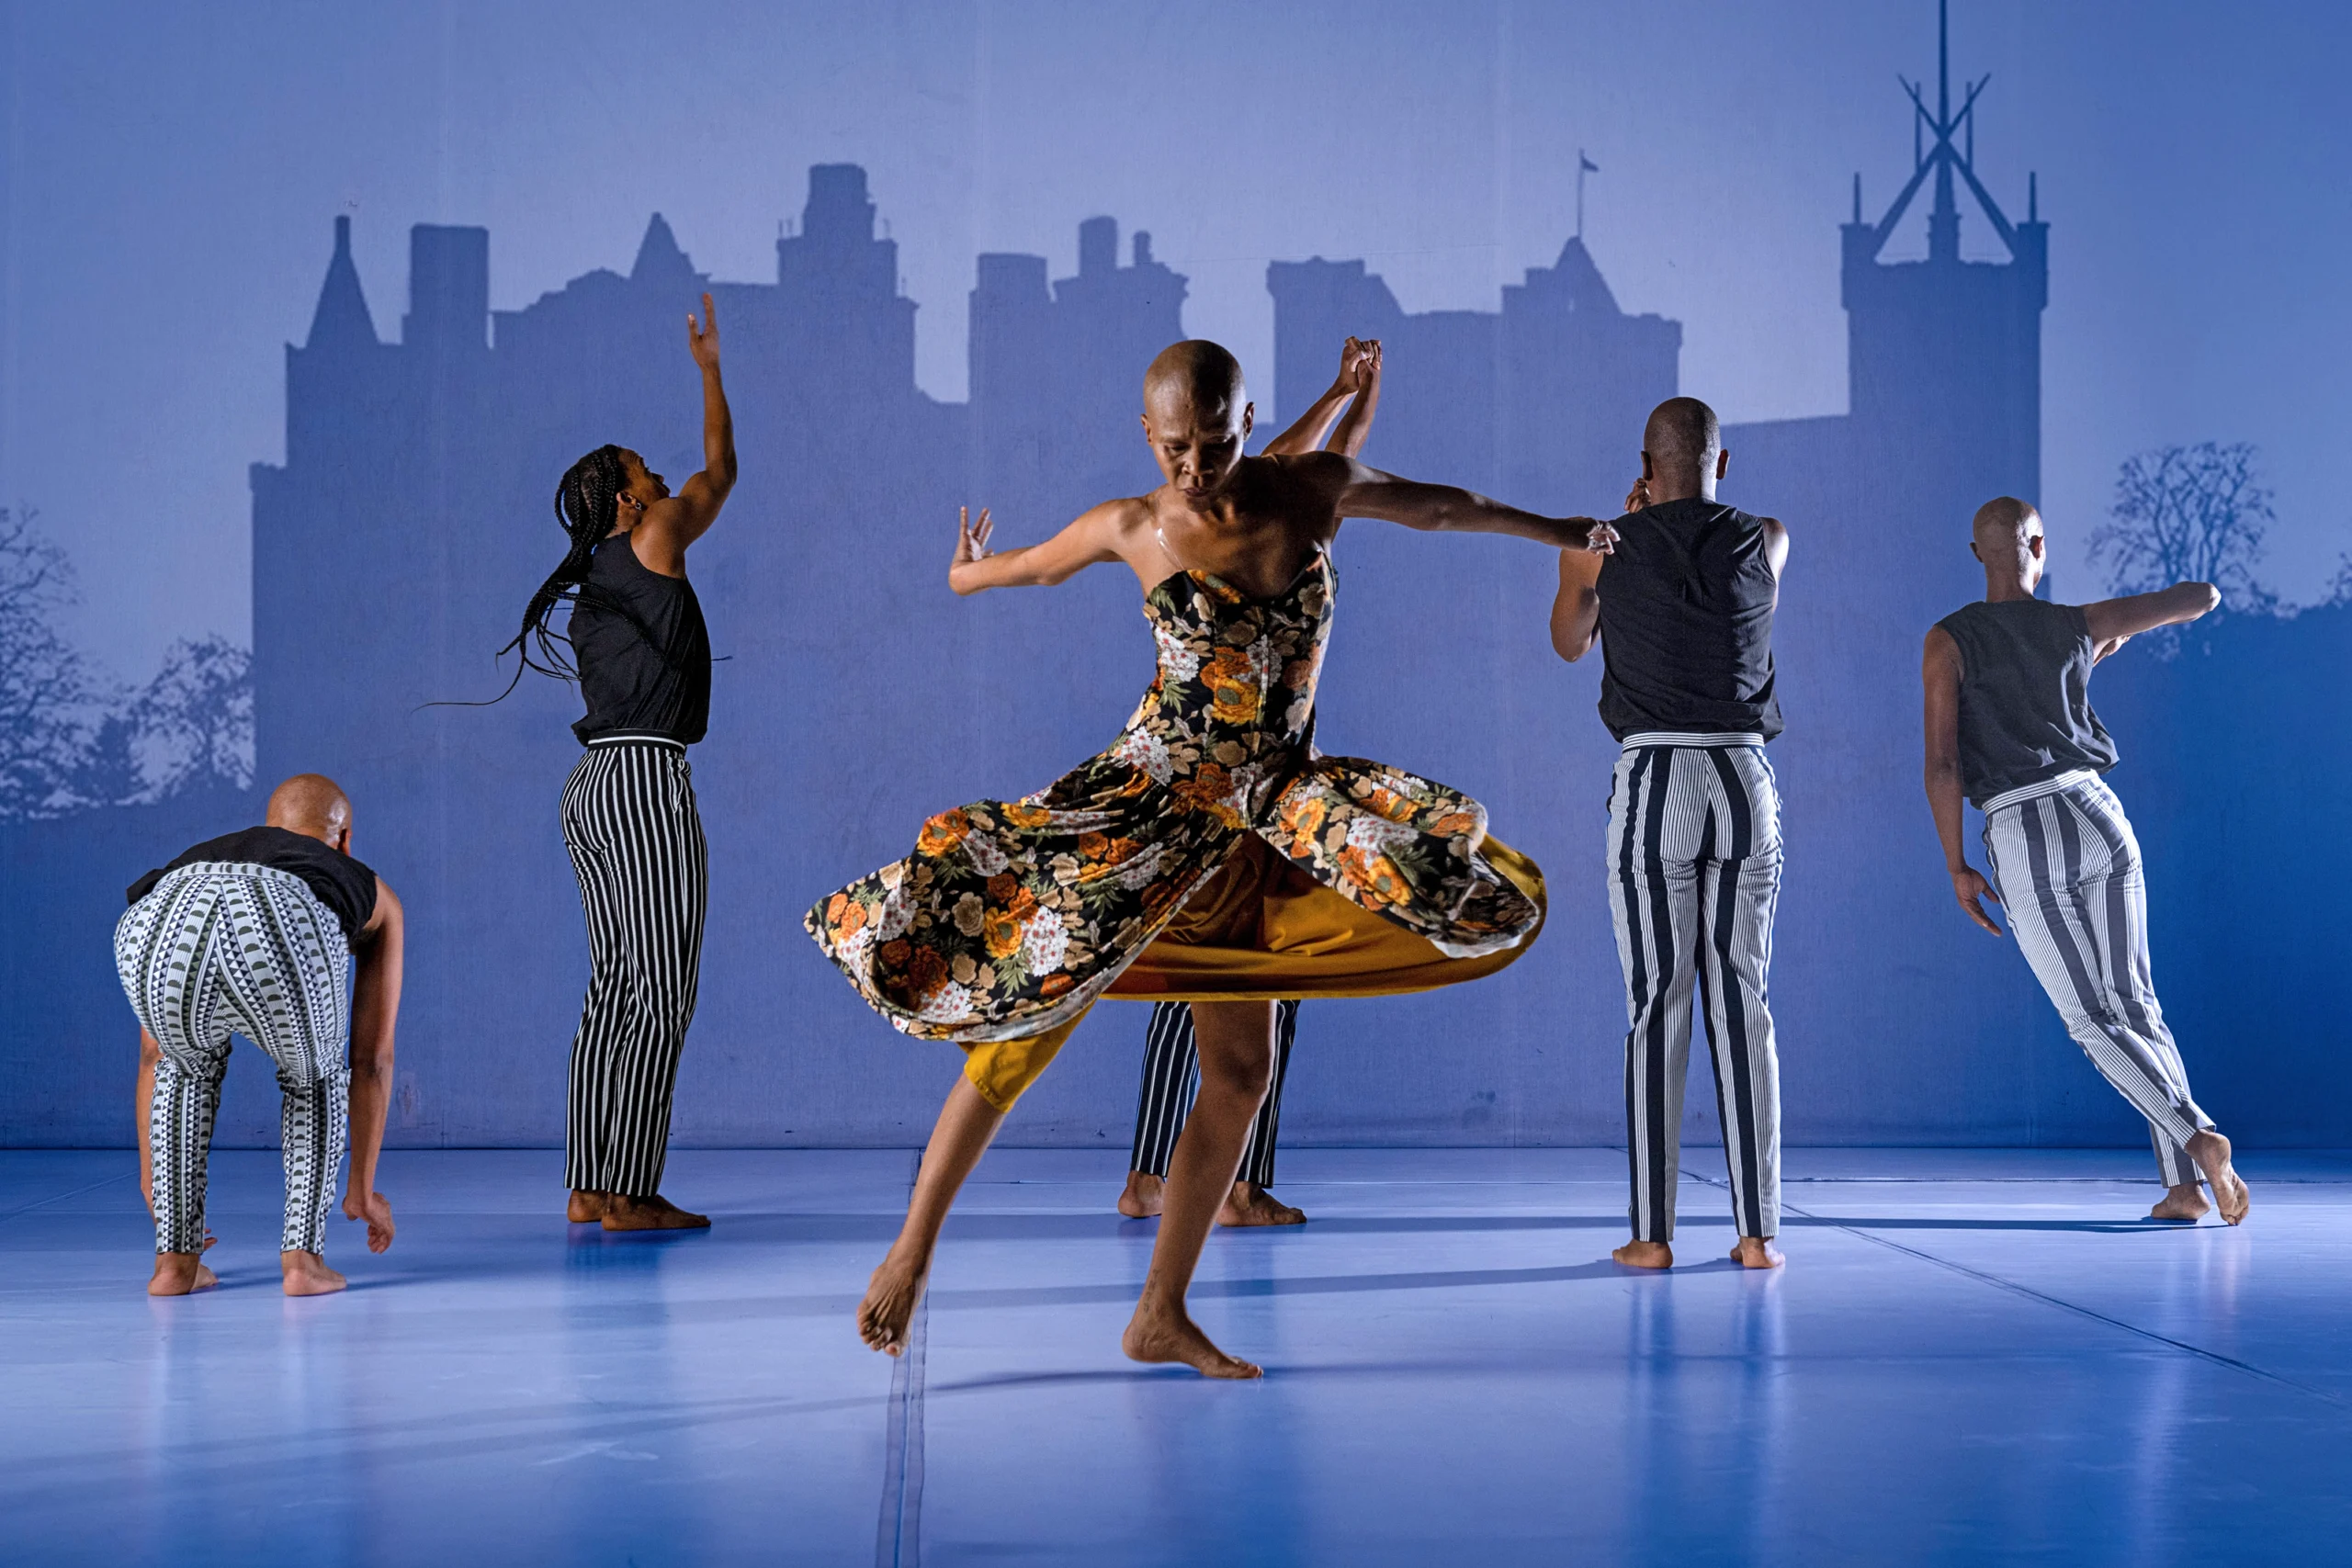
(2114, 622)
(1092, 540)
(676, 520)
(1360, 490)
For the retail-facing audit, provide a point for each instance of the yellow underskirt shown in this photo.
(1262, 930)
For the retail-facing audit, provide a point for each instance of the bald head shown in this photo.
(313, 806)
(1682, 440)
(1195, 376)
(2008, 539)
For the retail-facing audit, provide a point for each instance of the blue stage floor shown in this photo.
(1973, 1357)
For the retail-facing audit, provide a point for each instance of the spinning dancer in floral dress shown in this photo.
(1210, 855)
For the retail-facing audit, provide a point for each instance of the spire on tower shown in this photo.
(1933, 152)
(659, 256)
(341, 319)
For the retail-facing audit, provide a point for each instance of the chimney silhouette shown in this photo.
(448, 287)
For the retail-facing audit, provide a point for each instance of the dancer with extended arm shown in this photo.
(2010, 724)
(1210, 855)
(1336, 422)
(641, 654)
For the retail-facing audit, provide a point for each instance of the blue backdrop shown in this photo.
(394, 542)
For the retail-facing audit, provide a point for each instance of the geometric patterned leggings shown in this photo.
(221, 947)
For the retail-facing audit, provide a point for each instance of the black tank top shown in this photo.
(346, 888)
(646, 676)
(1686, 624)
(2025, 699)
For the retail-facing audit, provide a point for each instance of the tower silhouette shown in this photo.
(1944, 355)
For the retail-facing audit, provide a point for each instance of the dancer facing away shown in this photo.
(1171, 1058)
(1209, 854)
(641, 654)
(2009, 723)
(1683, 612)
(249, 933)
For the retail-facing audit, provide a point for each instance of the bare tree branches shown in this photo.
(46, 688)
(2189, 514)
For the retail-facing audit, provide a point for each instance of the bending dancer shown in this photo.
(2008, 721)
(1683, 612)
(249, 933)
(641, 654)
(1172, 1060)
(1209, 854)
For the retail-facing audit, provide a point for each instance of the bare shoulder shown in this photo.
(1941, 652)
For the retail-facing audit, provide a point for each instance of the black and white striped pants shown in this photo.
(635, 841)
(222, 947)
(1694, 871)
(1172, 1077)
(2068, 870)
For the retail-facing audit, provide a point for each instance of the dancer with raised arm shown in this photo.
(1171, 1058)
(2010, 724)
(249, 933)
(641, 654)
(1209, 855)
(1683, 613)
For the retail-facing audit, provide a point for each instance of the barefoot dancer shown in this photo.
(1210, 855)
(1683, 612)
(2009, 720)
(249, 932)
(1171, 1058)
(643, 665)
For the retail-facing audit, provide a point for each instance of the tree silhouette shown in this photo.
(2189, 514)
(195, 717)
(46, 689)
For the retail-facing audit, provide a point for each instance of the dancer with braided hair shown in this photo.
(642, 655)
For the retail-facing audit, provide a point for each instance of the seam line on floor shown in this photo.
(59, 1197)
(897, 1537)
(2027, 1291)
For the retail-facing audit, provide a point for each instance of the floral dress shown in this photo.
(1011, 917)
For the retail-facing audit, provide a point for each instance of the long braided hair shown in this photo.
(587, 502)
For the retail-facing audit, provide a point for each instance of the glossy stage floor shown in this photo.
(1973, 1357)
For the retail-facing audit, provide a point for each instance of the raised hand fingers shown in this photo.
(1600, 539)
(987, 526)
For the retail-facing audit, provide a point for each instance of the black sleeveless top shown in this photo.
(1686, 623)
(346, 888)
(646, 676)
(2025, 700)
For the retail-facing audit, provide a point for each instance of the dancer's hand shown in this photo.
(702, 339)
(1359, 364)
(373, 1208)
(1968, 885)
(1637, 498)
(1600, 538)
(971, 543)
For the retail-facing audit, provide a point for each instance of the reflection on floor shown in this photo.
(1973, 1357)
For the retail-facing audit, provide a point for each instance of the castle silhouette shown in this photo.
(394, 548)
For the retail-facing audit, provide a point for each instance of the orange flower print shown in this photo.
(1453, 823)
(943, 833)
(848, 917)
(1375, 876)
(1021, 814)
(1000, 933)
(1055, 986)
(1211, 790)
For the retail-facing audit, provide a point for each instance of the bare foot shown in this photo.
(2212, 1152)
(181, 1274)
(1158, 1334)
(1250, 1204)
(1757, 1252)
(585, 1208)
(1145, 1195)
(889, 1304)
(623, 1212)
(1644, 1255)
(2185, 1201)
(307, 1274)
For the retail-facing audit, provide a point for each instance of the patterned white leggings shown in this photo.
(222, 947)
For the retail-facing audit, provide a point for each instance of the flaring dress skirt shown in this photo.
(1210, 855)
